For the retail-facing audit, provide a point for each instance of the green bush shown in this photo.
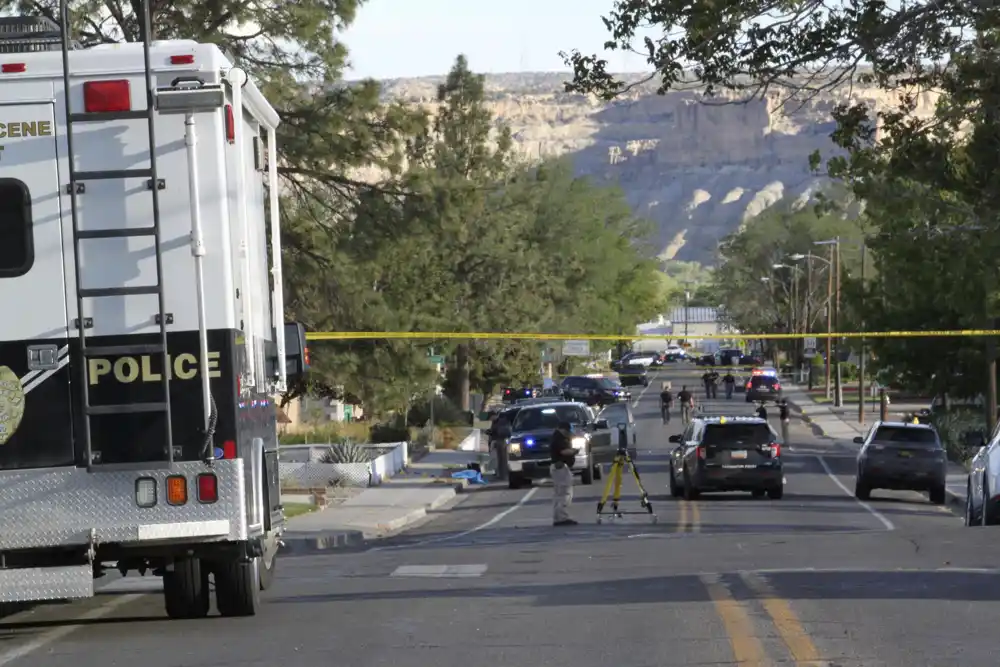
(952, 427)
(446, 413)
(394, 431)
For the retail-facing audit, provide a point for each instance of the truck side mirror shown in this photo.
(296, 351)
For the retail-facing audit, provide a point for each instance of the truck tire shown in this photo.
(587, 473)
(185, 589)
(237, 587)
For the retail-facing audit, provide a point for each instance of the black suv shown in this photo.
(763, 388)
(726, 454)
(598, 391)
(901, 456)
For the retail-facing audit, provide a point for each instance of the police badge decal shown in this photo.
(11, 404)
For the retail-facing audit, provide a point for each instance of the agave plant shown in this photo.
(347, 452)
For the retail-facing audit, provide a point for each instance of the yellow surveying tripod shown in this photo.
(621, 460)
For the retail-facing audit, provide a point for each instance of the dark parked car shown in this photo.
(631, 376)
(594, 390)
(901, 456)
(726, 454)
(528, 446)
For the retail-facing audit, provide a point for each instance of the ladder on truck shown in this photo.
(77, 186)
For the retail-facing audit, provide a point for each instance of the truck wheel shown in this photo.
(237, 587)
(514, 481)
(587, 474)
(185, 589)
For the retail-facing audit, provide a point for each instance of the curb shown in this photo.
(300, 544)
(339, 540)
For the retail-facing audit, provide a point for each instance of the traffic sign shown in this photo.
(810, 342)
(576, 348)
(436, 359)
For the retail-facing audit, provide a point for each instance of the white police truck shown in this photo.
(142, 335)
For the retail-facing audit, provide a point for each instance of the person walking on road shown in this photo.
(666, 402)
(713, 384)
(499, 432)
(783, 416)
(730, 383)
(706, 379)
(563, 455)
(687, 404)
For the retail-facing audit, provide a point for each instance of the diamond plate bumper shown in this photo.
(60, 506)
(46, 583)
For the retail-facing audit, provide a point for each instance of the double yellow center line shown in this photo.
(748, 650)
(685, 526)
(744, 638)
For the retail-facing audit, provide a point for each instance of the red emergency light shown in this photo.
(208, 488)
(13, 68)
(182, 60)
(107, 96)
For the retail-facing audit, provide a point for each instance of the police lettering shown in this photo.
(140, 369)
(31, 128)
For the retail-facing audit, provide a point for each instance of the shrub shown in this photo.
(952, 427)
(446, 413)
(349, 452)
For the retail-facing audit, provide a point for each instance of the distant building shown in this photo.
(689, 324)
(306, 414)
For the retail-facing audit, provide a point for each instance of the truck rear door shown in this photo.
(35, 413)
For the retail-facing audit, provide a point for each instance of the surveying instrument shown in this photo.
(622, 459)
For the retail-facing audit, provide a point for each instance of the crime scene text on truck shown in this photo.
(25, 129)
(140, 369)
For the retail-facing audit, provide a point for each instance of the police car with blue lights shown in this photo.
(763, 385)
(531, 434)
(726, 454)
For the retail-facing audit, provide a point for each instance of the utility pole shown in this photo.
(687, 300)
(861, 361)
(829, 322)
(838, 399)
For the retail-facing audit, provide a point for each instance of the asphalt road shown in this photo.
(816, 578)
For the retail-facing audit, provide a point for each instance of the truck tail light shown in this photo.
(230, 125)
(777, 386)
(208, 488)
(145, 492)
(177, 491)
(701, 452)
(13, 68)
(775, 450)
(187, 59)
(107, 96)
(229, 449)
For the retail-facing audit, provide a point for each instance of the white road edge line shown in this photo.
(55, 634)
(457, 536)
(874, 512)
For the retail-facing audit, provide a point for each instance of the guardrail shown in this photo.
(309, 466)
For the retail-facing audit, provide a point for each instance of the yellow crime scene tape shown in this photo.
(494, 335)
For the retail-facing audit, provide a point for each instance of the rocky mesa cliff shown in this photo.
(697, 168)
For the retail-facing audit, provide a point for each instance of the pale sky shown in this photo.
(409, 38)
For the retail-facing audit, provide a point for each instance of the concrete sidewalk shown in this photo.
(382, 510)
(841, 424)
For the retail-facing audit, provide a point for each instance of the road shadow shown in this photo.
(687, 588)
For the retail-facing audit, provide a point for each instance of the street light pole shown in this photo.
(861, 361)
(838, 399)
(829, 322)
